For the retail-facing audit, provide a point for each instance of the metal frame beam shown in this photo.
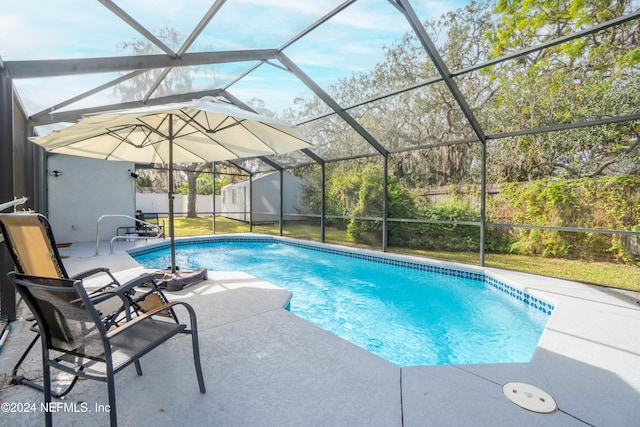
(87, 94)
(271, 163)
(215, 7)
(323, 210)
(140, 64)
(297, 37)
(495, 61)
(405, 7)
(6, 139)
(67, 67)
(441, 67)
(563, 39)
(186, 45)
(566, 126)
(225, 93)
(137, 26)
(385, 203)
(293, 68)
(250, 203)
(7, 291)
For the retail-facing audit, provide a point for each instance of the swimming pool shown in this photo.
(406, 312)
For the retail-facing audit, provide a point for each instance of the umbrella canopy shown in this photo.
(199, 131)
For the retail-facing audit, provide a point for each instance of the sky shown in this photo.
(350, 42)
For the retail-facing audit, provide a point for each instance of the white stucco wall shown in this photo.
(86, 190)
(235, 201)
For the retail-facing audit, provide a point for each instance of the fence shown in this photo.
(159, 203)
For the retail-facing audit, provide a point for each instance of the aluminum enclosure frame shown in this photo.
(135, 65)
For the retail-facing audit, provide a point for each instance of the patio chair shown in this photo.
(144, 229)
(33, 248)
(74, 338)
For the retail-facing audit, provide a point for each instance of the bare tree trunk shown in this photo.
(191, 197)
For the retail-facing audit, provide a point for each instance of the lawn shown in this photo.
(609, 274)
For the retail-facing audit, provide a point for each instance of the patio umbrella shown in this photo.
(203, 130)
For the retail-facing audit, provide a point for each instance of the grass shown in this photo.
(621, 276)
(601, 273)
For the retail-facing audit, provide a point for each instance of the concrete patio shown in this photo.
(264, 366)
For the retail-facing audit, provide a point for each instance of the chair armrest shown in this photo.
(104, 296)
(94, 271)
(138, 281)
(101, 295)
(121, 288)
(88, 273)
(131, 322)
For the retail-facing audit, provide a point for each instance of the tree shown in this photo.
(193, 170)
(144, 181)
(154, 177)
(579, 80)
(425, 116)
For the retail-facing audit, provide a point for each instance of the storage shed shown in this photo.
(261, 196)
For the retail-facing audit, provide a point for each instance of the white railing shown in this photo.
(129, 237)
(13, 203)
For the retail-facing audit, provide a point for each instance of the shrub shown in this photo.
(450, 237)
(599, 203)
(401, 204)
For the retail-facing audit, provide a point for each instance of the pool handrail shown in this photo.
(137, 220)
(13, 203)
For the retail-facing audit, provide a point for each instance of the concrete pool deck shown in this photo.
(264, 366)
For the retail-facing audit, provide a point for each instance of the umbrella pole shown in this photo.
(171, 228)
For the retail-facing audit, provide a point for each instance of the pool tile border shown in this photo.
(518, 294)
(537, 303)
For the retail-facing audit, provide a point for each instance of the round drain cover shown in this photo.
(529, 397)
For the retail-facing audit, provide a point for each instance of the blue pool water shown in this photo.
(406, 316)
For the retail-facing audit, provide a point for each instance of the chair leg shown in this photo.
(113, 416)
(196, 360)
(46, 372)
(20, 379)
(196, 346)
(138, 367)
(196, 349)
